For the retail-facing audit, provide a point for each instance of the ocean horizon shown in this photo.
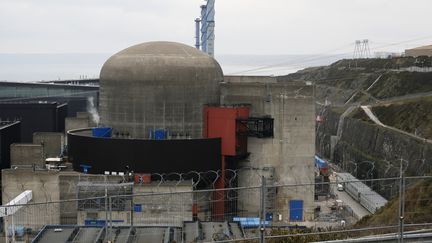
(50, 67)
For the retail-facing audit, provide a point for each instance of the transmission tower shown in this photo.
(361, 49)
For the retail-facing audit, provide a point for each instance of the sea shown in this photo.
(50, 67)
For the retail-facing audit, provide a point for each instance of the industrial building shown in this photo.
(419, 51)
(10, 132)
(37, 116)
(76, 93)
(167, 108)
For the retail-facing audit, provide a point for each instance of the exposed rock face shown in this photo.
(361, 142)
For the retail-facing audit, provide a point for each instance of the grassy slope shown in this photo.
(413, 116)
(418, 207)
(351, 75)
(402, 83)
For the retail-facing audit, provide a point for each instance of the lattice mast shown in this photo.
(207, 27)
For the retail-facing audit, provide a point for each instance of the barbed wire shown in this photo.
(177, 204)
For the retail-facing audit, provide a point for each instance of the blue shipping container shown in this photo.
(296, 210)
(102, 132)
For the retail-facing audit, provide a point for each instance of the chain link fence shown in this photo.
(149, 212)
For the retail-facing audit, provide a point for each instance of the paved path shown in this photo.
(375, 119)
(371, 115)
(359, 210)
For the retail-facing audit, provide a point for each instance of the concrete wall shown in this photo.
(82, 114)
(72, 123)
(52, 143)
(23, 154)
(48, 186)
(89, 116)
(290, 153)
(249, 79)
(419, 52)
(44, 185)
(168, 209)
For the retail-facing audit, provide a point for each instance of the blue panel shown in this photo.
(296, 210)
(19, 230)
(85, 168)
(320, 163)
(99, 222)
(137, 208)
(94, 222)
(269, 216)
(249, 222)
(159, 134)
(102, 132)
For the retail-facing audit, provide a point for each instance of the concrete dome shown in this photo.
(158, 85)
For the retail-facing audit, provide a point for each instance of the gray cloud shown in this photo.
(242, 26)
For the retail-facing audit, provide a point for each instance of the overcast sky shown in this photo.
(242, 26)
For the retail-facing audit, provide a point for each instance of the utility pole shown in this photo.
(401, 202)
(262, 211)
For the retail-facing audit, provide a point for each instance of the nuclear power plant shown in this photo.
(162, 142)
(170, 120)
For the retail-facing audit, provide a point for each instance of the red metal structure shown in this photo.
(222, 122)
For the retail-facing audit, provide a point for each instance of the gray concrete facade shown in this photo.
(44, 187)
(23, 154)
(249, 79)
(155, 210)
(72, 123)
(288, 157)
(52, 143)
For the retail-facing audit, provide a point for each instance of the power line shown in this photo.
(320, 56)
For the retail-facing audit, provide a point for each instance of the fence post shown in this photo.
(401, 203)
(262, 210)
(132, 210)
(106, 213)
(110, 216)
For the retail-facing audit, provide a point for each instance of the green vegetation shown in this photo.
(418, 208)
(361, 115)
(413, 116)
(358, 75)
(299, 238)
(401, 83)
